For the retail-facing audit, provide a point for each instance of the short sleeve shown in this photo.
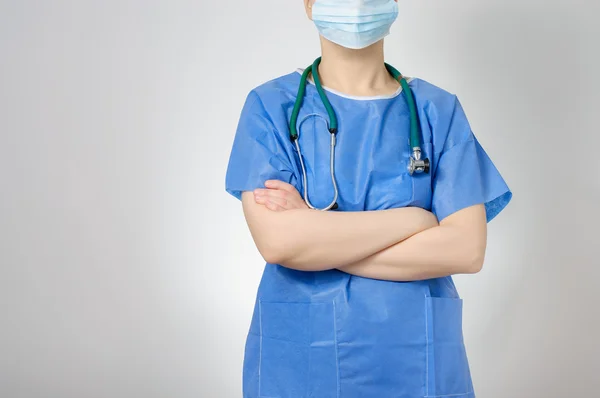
(258, 153)
(465, 175)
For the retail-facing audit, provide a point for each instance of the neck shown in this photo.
(356, 72)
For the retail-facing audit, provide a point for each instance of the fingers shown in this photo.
(274, 193)
(285, 200)
(281, 195)
(280, 203)
(273, 199)
(277, 184)
(273, 204)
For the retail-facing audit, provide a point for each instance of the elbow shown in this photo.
(473, 250)
(474, 261)
(284, 255)
(282, 258)
(271, 252)
(475, 265)
(265, 227)
(275, 257)
(274, 249)
(269, 256)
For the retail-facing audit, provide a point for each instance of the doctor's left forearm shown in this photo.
(448, 249)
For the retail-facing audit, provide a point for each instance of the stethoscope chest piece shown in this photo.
(416, 164)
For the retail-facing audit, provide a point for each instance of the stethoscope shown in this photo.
(415, 165)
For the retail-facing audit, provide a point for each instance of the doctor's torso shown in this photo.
(371, 152)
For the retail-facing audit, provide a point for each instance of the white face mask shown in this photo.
(354, 23)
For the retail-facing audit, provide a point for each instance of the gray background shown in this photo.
(127, 271)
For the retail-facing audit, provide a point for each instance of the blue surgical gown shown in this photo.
(334, 335)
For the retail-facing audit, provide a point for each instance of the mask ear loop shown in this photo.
(333, 204)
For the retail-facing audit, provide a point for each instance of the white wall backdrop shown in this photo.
(127, 271)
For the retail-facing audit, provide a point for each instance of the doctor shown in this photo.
(358, 301)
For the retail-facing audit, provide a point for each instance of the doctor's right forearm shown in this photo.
(312, 240)
(325, 240)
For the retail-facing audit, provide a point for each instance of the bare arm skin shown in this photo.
(456, 246)
(311, 240)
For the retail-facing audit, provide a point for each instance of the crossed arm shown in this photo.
(403, 244)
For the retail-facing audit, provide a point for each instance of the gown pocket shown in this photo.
(448, 373)
(297, 350)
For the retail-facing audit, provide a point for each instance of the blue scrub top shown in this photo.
(331, 334)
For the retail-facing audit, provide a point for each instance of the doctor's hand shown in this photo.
(279, 196)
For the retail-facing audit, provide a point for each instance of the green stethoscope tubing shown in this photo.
(415, 133)
(416, 163)
(415, 127)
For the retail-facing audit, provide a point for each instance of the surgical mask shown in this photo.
(354, 24)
